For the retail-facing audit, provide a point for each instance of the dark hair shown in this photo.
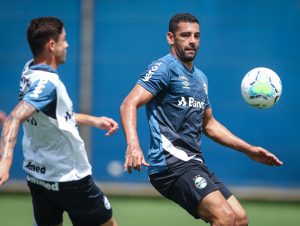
(41, 30)
(181, 17)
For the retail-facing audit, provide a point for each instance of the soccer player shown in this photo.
(57, 167)
(179, 112)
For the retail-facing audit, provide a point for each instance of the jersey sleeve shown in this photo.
(207, 101)
(205, 87)
(41, 94)
(155, 78)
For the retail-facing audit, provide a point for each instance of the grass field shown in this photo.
(16, 210)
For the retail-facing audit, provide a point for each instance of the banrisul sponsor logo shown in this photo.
(151, 71)
(191, 102)
(35, 168)
(182, 102)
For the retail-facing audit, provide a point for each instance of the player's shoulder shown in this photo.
(156, 68)
(199, 73)
(163, 63)
(40, 72)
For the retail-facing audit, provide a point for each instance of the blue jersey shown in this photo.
(175, 113)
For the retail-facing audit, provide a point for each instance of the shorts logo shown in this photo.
(106, 203)
(200, 182)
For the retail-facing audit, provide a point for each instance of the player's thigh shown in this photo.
(214, 206)
(46, 211)
(86, 204)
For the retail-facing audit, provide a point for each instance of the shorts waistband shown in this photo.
(56, 186)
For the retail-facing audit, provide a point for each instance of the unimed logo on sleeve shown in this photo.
(151, 71)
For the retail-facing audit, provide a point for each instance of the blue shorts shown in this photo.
(187, 184)
(84, 202)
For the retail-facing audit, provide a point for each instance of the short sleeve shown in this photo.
(207, 101)
(155, 78)
(41, 94)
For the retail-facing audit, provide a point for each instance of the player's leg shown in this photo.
(215, 209)
(86, 204)
(45, 211)
(196, 192)
(241, 216)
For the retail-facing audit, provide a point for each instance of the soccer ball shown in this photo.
(261, 87)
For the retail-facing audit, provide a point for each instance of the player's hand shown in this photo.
(107, 124)
(134, 157)
(263, 156)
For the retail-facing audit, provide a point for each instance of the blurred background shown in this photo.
(111, 43)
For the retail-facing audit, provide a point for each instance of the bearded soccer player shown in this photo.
(175, 93)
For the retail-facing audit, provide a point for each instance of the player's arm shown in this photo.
(9, 136)
(2, 117)
(216, 131)
(128, 111)
(108, 124)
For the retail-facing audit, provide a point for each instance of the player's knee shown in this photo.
(241, 220)
(227, 218)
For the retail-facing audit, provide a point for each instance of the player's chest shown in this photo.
(186, 84)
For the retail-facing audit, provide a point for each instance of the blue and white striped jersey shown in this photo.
(53, 149)
(175, 113)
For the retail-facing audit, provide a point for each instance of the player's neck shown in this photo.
(188, 65)
(49, 60)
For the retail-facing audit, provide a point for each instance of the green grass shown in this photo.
(16, 210)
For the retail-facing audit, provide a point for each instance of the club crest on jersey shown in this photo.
(151, 71)
(191, 102)
(200, 182)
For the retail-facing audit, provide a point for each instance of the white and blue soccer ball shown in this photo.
(261, 87)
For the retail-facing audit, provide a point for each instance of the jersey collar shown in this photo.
(43, 67)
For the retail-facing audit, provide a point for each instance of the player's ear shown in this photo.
(51, 45)
(170, 38)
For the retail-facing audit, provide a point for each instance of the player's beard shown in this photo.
(183, 55)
